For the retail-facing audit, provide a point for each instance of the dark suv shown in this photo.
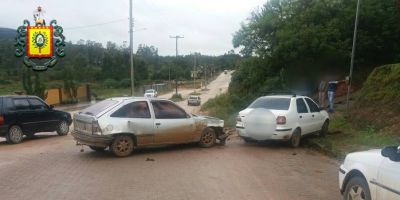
(27, 115)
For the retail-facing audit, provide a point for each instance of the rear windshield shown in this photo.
(192, 97)
(271, 103)
(99, 107)
(149, 91)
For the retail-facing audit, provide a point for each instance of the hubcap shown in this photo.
(123, 145)
(16, 134)
(64, 127)
(356, 193)
(207, 137)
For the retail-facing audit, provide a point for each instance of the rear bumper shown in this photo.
(92, 140)
(278, 134)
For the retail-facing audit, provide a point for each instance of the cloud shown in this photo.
(207, 25)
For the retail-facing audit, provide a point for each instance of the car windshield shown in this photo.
(272, 103)
(149, 91)
(193, 97)
(99, 107)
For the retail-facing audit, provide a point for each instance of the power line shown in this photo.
(99, 24)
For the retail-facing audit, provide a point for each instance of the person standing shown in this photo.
(322, 89)
(332, 87)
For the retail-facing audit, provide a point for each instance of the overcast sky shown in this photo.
(207, 25)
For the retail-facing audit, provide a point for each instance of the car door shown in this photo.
(304, 116)
(25, 117)
(317, 120)
(137, 119)
(172, 124)
(46, 119)
(388, 182)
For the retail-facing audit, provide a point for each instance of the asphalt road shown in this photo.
(51, 167)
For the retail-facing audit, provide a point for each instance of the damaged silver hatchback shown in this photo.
(126, 123)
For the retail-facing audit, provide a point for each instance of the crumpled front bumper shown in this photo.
(92, 140)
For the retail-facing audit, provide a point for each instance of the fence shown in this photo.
(60, 95)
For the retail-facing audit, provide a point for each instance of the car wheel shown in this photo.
(324, 129)
(14, 135)
(357, 188)
(208, 138)
(99, 149)
(63, 128)
(295, 139)
(122, 145)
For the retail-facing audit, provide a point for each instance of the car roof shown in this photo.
(283, 96)
(20, 96)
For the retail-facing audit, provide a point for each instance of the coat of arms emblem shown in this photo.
(40, 43)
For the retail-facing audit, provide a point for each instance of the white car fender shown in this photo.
(369, 173)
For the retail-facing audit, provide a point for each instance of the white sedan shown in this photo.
(282, 117)
(371, 175)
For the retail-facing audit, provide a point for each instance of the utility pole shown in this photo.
(176, 55)
(194, 73)
(352, 58)
(131, 47)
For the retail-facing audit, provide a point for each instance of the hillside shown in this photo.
(377, 103)
(7, 33)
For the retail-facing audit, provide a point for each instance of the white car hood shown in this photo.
(370, 156)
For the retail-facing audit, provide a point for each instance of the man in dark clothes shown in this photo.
(332, 86)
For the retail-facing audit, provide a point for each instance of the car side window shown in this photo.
(21, 104)
(36, 104)
(301, 106)
(313, 107)
(138, 109)
(167, 110)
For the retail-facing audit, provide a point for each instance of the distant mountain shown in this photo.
(7, 33)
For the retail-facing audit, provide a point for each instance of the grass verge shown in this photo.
(343, 138)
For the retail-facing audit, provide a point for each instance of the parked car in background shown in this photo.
(283, 117)
(371, 175)
(151, 93)
(126, 123)
(27, 115)
(194, 100)
(225, 71)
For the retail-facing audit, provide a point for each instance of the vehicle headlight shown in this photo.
(238, 118)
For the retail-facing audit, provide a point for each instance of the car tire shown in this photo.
(357, 187)
(63, 128)
(324, 130)
(208, 138)
(14, 135)
(295, 140)
(122, 146)
(98, 149)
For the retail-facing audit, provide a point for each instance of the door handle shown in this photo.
(301, 116)
(312, 115)
(158, 124)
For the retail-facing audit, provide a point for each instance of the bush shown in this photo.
(110, 83)
(124, 83)
(176, 97)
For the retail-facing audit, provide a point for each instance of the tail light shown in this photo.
(281, 120)
(96, 130)
(1, 120)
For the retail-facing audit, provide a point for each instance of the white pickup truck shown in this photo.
(126, 123)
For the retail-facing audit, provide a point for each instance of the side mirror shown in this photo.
(51, 107)
(321, 108)
(391, 152)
